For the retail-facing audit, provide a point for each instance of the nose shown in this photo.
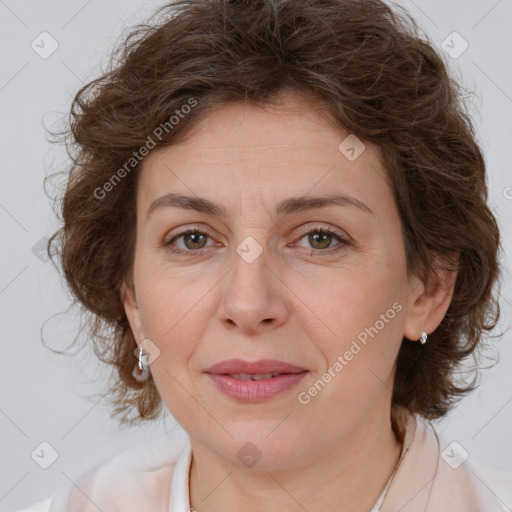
(254, 297)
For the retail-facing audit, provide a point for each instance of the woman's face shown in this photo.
(322, 286)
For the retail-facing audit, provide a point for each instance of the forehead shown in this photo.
(290, 147)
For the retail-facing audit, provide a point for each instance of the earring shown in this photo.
(423, 338)
(141, 370)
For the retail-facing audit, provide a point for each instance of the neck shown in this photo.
(348, 475)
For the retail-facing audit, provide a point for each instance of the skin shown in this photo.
(292, 303)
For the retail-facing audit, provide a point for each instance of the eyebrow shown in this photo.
(290, 205)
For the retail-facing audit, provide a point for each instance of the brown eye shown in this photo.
(194, 240)
(320, 239)
(323, 241)
(189, 242)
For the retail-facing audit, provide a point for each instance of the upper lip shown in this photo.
(260, 367)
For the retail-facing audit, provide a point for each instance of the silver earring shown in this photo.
(423, 338)
(141, 370)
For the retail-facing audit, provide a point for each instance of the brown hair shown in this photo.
(379, 78)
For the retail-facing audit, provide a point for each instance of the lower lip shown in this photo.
(252, 391)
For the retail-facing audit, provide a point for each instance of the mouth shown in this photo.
(255, 387)
(255, 381)
(256, 376)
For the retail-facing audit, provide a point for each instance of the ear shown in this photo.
(129, 300)
(428, 300)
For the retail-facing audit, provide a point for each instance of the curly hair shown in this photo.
(379, 78)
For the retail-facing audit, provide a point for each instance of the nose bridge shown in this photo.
(249, 280)
(252, 296)
(252, 232)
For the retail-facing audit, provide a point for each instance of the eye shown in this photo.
(320, 239)
(194, 241)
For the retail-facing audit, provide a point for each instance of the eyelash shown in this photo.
(319, 229)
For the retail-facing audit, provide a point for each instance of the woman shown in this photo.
(277, 210)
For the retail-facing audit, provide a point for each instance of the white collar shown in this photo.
(406, 424)
(179, 499)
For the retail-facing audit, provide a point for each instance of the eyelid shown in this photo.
(343, 240)
(187, 231)
(324, 227)
(190, 229)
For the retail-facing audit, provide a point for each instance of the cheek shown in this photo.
(359, 361)
(174, 313)
(171, 322)
(362, 311)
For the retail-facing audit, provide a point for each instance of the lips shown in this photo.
(254, 390)
(245, 370)
(257, 381)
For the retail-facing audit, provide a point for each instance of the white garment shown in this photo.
(179, 496)
(138, 480)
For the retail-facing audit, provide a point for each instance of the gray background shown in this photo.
(43, 395)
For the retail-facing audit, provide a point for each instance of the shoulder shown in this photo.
(464, 481)
(135, 479)
(438, 475)
(498, 481)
